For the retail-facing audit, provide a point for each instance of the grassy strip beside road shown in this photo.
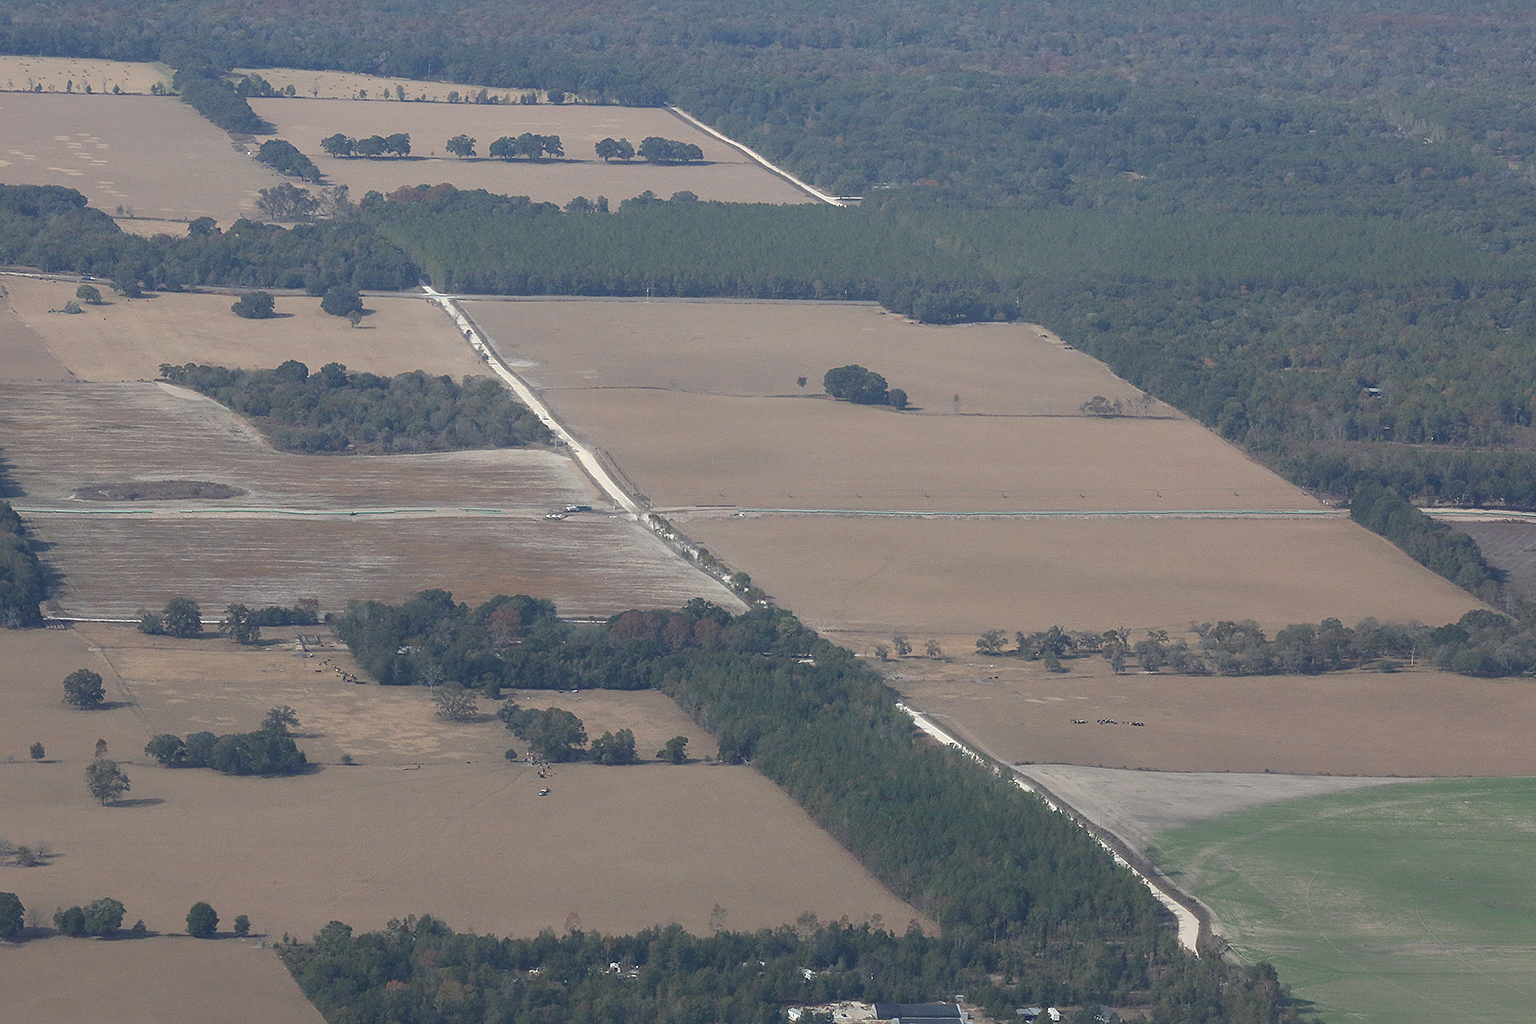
(1408, 902)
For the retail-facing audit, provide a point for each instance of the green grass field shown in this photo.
(1381, 905)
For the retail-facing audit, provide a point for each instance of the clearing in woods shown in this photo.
(726, 173)
(431, 812)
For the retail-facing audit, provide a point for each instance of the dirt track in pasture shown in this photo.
(726, 174)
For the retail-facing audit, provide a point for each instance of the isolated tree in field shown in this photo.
(101, 749)
(182, 617)
(675, 751)
(37, 752)
(555, 734)
(339, 145)
(280, 720)
(897, 398)
(169, 750)
(239, 625)
(461, 146)
(339, 300)
(202, 921)
(287, 202)
(106, 780)
(933, 650)
(104, 917)
(853, 383)
(609, 149)
(83, 689)
(151, 622)
(13, 916)
(242, 926)
(991, 642)
(614, 748)
(455, 703)
(89, 293)
(902, 645)
(255, 306)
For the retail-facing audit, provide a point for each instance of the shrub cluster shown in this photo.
(263, 752)
(334, 410)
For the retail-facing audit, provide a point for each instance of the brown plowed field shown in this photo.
(168, 980)
(60, 437)
(130, 338)
(948, 576)
(151, 154)
(465, 836)
(587, 565)
(758, 349)
(1408, 723)
(726, 173)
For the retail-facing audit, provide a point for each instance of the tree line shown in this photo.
(1031, 908)
(374, 146)
(336, 410)
(24, 582)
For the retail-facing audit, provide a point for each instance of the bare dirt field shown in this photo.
(726, 173)
(151, 154)
(1404, 724)
(465, 835)
(167, 979)
(65, 74)
(948, 576)
(130, 338)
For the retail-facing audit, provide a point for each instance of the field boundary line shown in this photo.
(775, 168)
(1192, 926)
(1171, 513)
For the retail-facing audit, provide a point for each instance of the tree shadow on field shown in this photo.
(141, 801)
(115, 705)
(8, 487)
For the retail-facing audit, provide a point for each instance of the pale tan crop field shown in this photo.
(130, 338)
(726, 174)
(758, 349)
(854, 575)
(151, 154)
(345, 85)
(168, 980)
(1406, 724)
(61, 74)
(432, 819)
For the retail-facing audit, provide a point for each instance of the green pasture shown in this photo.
(1382, 905)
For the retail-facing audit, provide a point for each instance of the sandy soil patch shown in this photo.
(60, 74)
(129, 339)
(1136, 806)
(149, 227)
(468, 839)
(151, 154)
(169, 980)
(947, 576)
(758, 349)
(727, 174)
(1405, 724)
